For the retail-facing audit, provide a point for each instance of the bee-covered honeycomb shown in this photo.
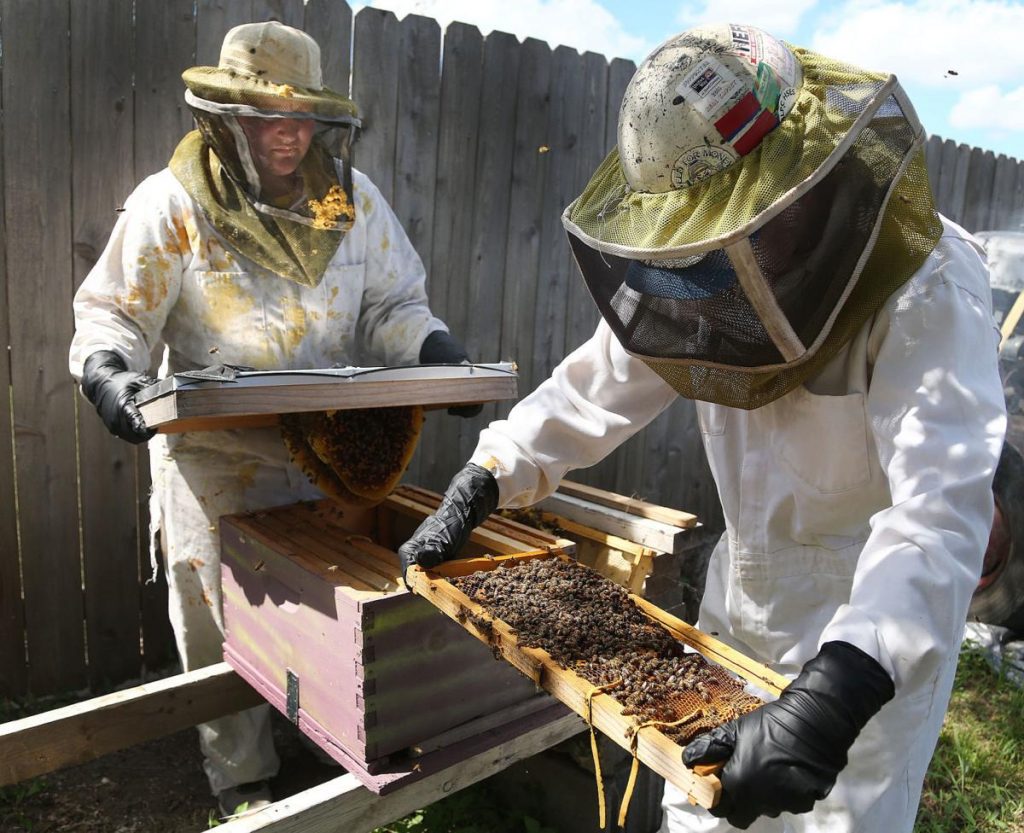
(589, 625)
(357, 456)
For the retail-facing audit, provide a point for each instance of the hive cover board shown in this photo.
(227, 397)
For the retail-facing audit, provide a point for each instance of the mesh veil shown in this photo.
(830, 214)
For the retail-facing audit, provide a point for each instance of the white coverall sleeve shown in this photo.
(123, 302)
(394, 318)
(937, 413)
(595, 400)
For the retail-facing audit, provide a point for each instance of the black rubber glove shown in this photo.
(471, 497)
(440, 348)
(111, 387)
(787, 754)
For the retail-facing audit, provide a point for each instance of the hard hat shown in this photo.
(702, 100)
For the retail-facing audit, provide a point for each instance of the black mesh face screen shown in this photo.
(698, 312)
(808, 255)
(809, 252)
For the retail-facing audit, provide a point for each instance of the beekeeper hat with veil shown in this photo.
(762, 203)
(269, 70)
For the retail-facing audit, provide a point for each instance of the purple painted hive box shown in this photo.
(318, 621)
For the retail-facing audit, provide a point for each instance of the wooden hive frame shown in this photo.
(651, 746)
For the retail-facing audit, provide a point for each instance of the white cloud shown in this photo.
(780, 17)
(923, 39)
(582, 24)
(989, 108)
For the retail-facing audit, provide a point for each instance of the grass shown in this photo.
(976, 779)
(477, 809)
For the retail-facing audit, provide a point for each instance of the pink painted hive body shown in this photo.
(318, 622)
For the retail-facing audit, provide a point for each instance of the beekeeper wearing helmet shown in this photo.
(254, 247)
(764, 241)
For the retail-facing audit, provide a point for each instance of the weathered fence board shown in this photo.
(581, 315)
(419, 101)
(564, 124)
(453, 223)
(161, 115)
(490, 213)
(330, 24)
(375, 91)
(13, 677)
(980, 179)
(1004, 191)
(161, 119)
(477, 144)
(37, 163)
(102, 122)
(530, 165)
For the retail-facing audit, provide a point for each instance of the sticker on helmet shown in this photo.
(787, 98)
(767, 87)
(699, 163)
(709, 86)
(755, 47)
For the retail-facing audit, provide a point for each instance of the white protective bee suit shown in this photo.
(857, 508)
(166, 275)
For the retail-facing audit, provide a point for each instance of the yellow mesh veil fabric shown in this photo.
(293, 250)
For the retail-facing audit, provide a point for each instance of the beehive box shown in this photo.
(318, 621)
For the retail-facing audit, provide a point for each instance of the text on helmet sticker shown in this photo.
(756, 47)
(709, 86)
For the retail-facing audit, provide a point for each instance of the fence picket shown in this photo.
(530, 164)
(13, 670)
(449, 266)
(161, 119)
(37, 165)
(565, 121)
(330, 24)
(978, 192)
(490, 213)
(419, 101)
(102, 130)
(375, 90)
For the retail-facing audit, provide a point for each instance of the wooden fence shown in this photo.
(477, 142)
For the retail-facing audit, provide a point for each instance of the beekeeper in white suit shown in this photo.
(254, 247)
(764, 241)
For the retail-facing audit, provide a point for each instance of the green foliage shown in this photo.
(976, 779)
(477, 809)
(13, 799)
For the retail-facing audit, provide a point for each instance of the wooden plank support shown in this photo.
(629, 505)
(78, 733)
(651, 746)
(343, 805)
(652, 534)
(486, 535)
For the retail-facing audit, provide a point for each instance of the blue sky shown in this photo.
(921, 41)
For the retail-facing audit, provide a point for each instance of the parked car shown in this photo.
(999, 597)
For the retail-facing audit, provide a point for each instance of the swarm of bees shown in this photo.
(589, 625)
